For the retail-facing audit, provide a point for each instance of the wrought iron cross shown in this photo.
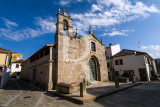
(90, 27)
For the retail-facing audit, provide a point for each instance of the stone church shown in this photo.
(70, 60)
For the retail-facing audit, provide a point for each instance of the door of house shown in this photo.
(143, 74)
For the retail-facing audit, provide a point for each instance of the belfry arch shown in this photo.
(65, 27)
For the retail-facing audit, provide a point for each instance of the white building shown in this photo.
(110, 51)
(158, 65)
(16, 68)
(134, 63)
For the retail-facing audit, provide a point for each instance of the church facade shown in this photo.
(71, 60)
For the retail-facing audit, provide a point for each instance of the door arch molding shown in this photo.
(94, 67)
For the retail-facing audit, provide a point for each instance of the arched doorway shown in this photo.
(94, 69)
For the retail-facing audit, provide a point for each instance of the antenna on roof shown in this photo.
(139, 46)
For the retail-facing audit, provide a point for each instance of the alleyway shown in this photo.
(20, 94)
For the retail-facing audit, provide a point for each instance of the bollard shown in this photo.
(116, 82)
(82, 89)
(133, 79)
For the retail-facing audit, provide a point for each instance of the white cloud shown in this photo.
(111, 12)
(119, 33)
(64, 2)
(95, 8)
(44, 26)
(47, 25)
(152, 47)
(80, 0)
(153, 50)
(9, 23)
(67, 2)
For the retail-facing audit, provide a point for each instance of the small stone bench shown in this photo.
(65, 88)
(123, 79)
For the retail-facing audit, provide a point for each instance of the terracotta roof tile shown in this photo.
(4, 50)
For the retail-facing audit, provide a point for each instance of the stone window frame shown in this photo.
(93, 41)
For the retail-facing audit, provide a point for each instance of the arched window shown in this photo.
(93, 47)
(65, 27)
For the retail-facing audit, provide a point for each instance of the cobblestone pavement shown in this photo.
(20, 94)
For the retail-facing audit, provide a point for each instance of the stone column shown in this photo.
(50, 81)
(82, 89)
(116, 82)
(133, 79)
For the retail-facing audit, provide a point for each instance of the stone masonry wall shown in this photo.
(42, 71)
(73, 59)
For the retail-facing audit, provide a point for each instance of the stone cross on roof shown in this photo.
(64, 12)
(90, 32)
(90, 27)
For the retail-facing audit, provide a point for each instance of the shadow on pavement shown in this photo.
(145, 95)
(15, 84)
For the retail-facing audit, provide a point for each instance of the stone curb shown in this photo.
(79, 101)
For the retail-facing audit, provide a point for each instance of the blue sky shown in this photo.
(27, 25)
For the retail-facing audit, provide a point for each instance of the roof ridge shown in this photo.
(124, 52)
(4, 50)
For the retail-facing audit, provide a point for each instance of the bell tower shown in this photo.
(64, 31)
(64, 24)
